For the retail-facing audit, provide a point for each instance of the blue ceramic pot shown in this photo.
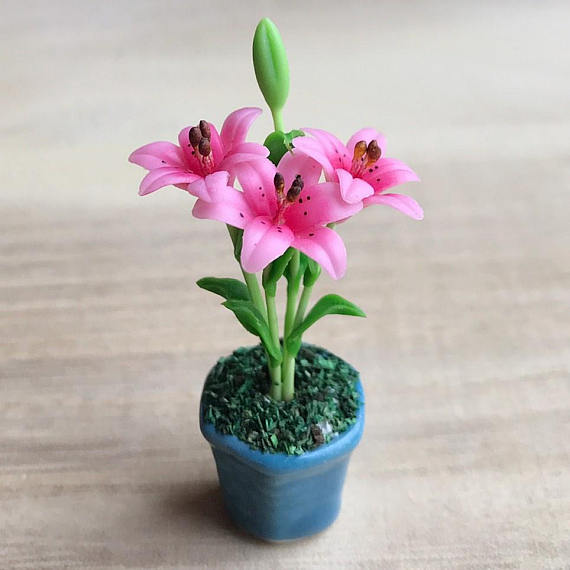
(275, 496)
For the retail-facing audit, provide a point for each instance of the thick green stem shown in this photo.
(275, 390)
(288, 366)
(303, 304)
(277, 120)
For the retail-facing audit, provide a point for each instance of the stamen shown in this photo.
(295, 190)
(204, 147)
(359, 150)
(279, 183)
(205, 129)
(194, 136)
(373, 152)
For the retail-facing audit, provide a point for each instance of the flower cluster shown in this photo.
(284, 205)
(281, 202)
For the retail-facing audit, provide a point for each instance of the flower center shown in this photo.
(365, 155)
(284, 200)
(200, 139)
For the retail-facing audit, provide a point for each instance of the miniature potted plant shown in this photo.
(282, 417)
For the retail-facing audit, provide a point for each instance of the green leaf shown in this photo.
(270, 64)
(312, 272)
(225, 287)
(327, 305)
(273, 272)
(278, 143)
(254, 322)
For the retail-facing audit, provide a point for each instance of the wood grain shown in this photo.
(105, 339)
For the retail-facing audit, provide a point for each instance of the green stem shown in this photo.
(254, 291)
(249, 278)
(278, 120)
(288, 367)
(303, 304)
(275, 390)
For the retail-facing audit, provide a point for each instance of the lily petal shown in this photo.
(353, 190)
(211, 188)
(157, 155)
(256, 180)
(333, 148)
(263, 242)
(401, 202)
(236, 127)
(313, 148)
(229, 207)
(160, 177)
(243, 152)
(318, 205)
(387, 173)
(299, 163)
(326, 247)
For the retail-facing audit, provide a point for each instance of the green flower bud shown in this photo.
(271, 67)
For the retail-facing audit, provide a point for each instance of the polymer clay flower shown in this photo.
(201, 151)
(360, 168)
(280, 207)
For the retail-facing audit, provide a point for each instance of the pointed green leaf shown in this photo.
(327, 305)
(278, 143)
(254, 322)
(312, 272)
(225, 287)
(274, 271)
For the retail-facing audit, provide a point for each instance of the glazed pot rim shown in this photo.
(282, 462)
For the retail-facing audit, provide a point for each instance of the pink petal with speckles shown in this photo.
(387, 173)
(263, 242)
(317, 205)
(229, 207)
(157, 155)
(256, 179)
(326, 247)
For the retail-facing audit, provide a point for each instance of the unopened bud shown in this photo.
(270, 64)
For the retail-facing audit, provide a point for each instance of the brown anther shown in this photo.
(205, 129)
(279, 183)
(295, 190)
(359, 150)
(194, 135)
(204, 147)
(373, 151)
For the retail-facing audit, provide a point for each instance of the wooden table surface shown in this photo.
(105, 339)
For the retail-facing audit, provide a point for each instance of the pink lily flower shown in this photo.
(200, 152)
(360, 168)
(280, 207)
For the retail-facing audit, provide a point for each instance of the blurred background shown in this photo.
(105, 339)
